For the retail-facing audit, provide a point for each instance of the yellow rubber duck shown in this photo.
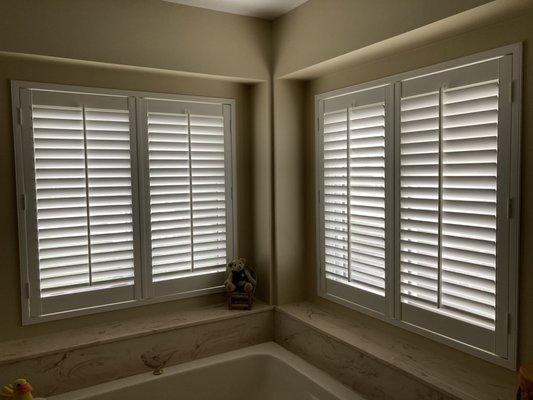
(18, 390)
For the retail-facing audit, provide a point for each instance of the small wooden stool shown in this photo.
(525, 376)
(240, 300)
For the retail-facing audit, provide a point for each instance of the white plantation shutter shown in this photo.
(188, 173)
(123, 197)
(454, 171)
(80, 204)
(352, 142)
(418, 195)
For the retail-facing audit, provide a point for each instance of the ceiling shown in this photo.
(266, 9)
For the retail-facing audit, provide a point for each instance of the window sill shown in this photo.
(121, 305)
(458, 375)
(38, 346)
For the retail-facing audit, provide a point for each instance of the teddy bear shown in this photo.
(240, 278)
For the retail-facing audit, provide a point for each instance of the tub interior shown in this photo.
(255, 376)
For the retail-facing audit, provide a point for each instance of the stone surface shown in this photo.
(387, 365)
(18, 350)
(73, 369)
(355, 369)
(381, 364)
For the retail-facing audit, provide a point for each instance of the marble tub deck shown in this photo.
(75, 359)
(384, 362)
(380, 362)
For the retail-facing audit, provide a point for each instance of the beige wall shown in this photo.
(27, 68)
(146, 33)
(261, 190)
(289, 186)
(512, 31)
(321, 30)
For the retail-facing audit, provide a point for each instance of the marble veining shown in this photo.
(21, 349)
(378, 363)
(430, 367)
(357, 370)
(77, 368)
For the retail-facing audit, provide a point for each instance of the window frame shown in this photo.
(29, 289)
(394, 315)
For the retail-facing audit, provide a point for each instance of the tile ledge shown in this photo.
(38, 346)
(453, 375)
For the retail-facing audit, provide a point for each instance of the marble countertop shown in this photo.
(38, 346)
(459, 375)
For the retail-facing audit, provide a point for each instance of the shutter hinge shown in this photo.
(27, 289)
(231, 193)
(20, 115)
(511, 91)
(508, 322)
(510, 208)
(23, 201)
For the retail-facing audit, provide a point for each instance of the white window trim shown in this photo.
(138, 212)
(515, 50)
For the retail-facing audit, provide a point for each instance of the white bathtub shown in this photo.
(262, 372)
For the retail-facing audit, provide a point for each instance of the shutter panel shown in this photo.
(448, 202)
(353, 177)
(83, 200)
(187, 158)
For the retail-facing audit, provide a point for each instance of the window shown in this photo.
(125, 197)
(418, 193)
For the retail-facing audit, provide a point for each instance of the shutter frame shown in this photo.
(504, 221)
(30, 222)
(506, 338)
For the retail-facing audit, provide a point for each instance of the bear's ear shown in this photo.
(242, 261)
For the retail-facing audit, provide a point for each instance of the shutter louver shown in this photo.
(83, 198)
(110, 197)
(169, 195)
(419, 200)
(336, 195)
(208, 179)
(61, 199)
(367, 197)
(187, 168)
(448, 202)
(469, 185)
